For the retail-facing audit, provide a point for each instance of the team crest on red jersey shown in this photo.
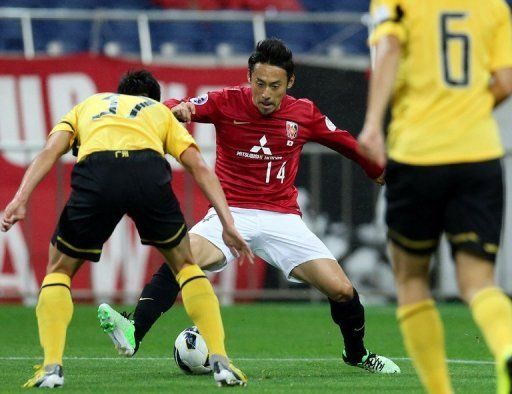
(292, 129)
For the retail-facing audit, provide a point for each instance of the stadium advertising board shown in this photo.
(35, 95)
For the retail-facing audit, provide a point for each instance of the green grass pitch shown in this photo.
(283, 348)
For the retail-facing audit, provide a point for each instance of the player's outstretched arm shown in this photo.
(371, 139)
(56, 145)
(210, 186)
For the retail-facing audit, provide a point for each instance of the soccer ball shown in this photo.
(190, 352)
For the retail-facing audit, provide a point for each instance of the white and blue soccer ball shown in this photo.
(191, 353)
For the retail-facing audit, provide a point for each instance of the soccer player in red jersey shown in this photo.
(260, 134)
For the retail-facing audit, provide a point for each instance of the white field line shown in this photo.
(248, 359)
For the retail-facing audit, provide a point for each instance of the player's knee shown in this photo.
(61, 269)
(342, 291)
(61, 263)
(469, 289)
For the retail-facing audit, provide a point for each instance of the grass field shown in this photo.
(283, 348)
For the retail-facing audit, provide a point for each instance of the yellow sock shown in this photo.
(202, 306)
(492, 311)
(422, 331)
(54, 311)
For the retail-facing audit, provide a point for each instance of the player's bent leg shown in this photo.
(202, 306)
(346, 311)
(156, 298)
(159, 295)
(54, 311)
(327, 276)
(491, 309)
(419, 320)
(206, 254)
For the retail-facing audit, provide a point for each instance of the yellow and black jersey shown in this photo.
(111, 122)
(442, 105)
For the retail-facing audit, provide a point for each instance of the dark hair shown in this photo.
(139, 83)
(272, 51)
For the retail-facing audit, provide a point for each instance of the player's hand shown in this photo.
(184, 111)
(371, 144)
(15, 211)
(237, 245)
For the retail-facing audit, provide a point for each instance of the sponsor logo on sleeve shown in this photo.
(331, 126)
(200, 100)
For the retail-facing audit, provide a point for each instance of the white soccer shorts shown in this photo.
(281, 239)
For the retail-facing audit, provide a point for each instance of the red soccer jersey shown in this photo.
(258, 156)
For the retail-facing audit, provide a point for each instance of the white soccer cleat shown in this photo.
(120, 330)
(225, 373)
(374, 363)
(49, 376)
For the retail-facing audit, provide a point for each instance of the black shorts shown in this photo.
(463, 200)
(107, 185)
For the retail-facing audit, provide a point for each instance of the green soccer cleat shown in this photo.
(374, 363)
(119, 329)
(225, 373)
(49, 376)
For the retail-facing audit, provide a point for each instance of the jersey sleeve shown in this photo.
(206, 106)
(501, 50)
(177, 139)
(387, 18)
(326, 133)
(68, 124)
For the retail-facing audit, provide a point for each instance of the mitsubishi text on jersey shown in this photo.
(258, 155)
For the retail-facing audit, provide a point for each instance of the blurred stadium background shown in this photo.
(54, 53)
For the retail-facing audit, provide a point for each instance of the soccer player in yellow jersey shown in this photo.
(122, 138)
(446, 63)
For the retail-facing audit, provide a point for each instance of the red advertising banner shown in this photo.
(34, 95)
